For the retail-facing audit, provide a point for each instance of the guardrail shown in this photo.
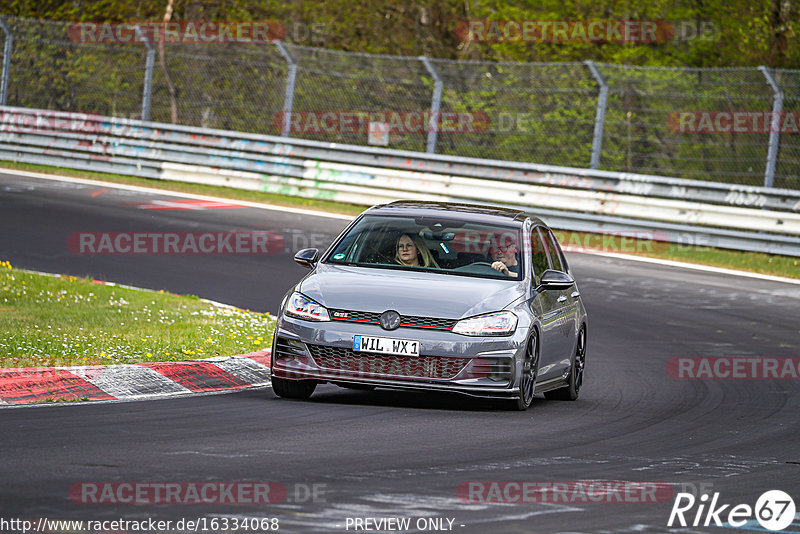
(684, 211)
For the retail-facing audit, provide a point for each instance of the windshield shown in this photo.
(441, 245)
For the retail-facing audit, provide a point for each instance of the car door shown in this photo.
(549, 311)
(567, 298)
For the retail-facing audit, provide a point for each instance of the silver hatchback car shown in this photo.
(435, 296)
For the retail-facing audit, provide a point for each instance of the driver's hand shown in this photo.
(500, 266)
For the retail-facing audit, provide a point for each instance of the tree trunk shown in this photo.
(779, 20)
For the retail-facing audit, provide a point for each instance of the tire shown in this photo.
(293, 389)
(573, 388)
(530, 371)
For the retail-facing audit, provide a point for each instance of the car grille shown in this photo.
(408, 321)
(350, 362)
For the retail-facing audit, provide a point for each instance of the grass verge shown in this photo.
(756, 262)
(50, 321)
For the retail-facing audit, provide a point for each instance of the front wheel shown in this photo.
(293, 389)
(530, 370)
(573, 388)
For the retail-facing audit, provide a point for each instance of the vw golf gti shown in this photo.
(435, 296)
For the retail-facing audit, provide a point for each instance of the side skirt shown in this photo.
(553, 383)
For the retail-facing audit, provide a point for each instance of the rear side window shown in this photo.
(559, 252)
(552, 250)
(539, 256)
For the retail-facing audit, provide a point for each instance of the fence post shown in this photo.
(7, 48)
(150, 62)
(436, 103)
(600, 117)
(288, 101)
(775, 126)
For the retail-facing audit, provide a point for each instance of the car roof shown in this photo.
(468, 212)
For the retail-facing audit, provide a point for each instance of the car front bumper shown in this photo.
(486, 367)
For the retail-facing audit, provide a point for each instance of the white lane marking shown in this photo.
(691, 266)
(141, 189)
(670, 263)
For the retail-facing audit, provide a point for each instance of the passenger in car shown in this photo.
(412, 251)
(504, 255)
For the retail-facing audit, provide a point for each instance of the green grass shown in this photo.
(59, 399)
(58, 321)
(757, 262)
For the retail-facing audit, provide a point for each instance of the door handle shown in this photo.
(562, 298)
(575, 294)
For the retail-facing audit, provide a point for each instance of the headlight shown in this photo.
(304, 308)
(492, 324)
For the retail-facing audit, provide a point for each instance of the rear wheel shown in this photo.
(293, 389)
(573, 388)
(530, 370)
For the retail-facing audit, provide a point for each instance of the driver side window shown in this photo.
(539, 256)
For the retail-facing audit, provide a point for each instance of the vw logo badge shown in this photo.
(390, 320)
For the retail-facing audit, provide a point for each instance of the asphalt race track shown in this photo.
(390, 454)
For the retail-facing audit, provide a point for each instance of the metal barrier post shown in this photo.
(436, 102)
(600, 117)
(7, 48)
(288, 101)
(775, 127)
(147, 92)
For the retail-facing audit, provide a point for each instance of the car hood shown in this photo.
(409, 293)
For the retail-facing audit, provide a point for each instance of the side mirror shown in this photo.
(552, 279)
(307, 257)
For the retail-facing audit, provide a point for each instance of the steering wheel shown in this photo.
(379, 253)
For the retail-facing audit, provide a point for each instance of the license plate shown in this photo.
(386, 345)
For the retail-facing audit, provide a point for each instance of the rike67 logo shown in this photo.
(774, 510)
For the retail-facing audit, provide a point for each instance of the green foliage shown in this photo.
(707, 34)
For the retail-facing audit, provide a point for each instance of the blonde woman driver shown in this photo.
(412, 251)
